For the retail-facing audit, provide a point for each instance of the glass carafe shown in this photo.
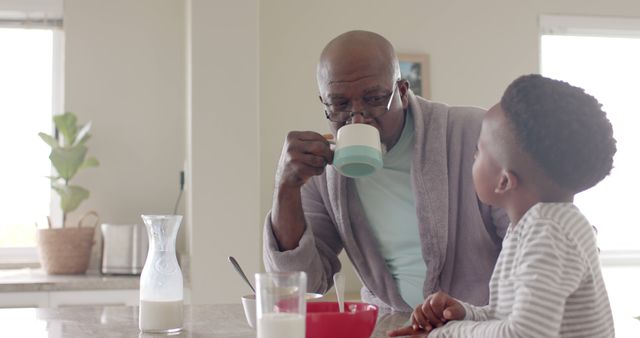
(161, 289)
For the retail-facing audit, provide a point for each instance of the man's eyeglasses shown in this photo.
(375, 106)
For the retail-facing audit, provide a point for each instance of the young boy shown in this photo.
(541, 144)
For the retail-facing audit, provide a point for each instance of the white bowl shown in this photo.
(249, 305)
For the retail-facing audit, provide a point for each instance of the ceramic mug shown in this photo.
(358, 151)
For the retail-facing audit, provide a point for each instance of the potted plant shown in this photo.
(66, 249)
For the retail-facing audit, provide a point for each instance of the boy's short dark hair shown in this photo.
(562, 128)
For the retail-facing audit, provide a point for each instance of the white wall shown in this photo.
(125, 73)
(223, 147)
(128, 70)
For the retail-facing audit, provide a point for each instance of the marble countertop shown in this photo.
(210, 321)
(30, 280)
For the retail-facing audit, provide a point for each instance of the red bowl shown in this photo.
(325, 321)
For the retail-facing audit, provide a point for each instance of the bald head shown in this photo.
(355, 53)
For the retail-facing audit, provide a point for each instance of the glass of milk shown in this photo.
(281, 307)
(161, 284)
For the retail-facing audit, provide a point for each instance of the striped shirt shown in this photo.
(547, 282)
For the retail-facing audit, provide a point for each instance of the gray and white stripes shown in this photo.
(547, 282)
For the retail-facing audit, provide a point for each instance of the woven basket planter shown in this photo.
(65, 251)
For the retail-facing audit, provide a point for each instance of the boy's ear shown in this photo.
(508, 181)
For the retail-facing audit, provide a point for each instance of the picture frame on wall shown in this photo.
(415, 69)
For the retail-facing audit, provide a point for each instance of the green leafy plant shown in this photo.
(68, 156)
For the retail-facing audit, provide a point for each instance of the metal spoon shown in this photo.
(239, 269)
(338, 283)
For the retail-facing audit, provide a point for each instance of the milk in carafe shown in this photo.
(160, 315)
(161, 284)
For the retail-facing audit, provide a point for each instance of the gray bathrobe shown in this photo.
(461, 237)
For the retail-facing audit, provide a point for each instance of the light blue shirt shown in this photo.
(388, 202)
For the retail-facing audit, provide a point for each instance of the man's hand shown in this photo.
(437, 310)
(304, 154)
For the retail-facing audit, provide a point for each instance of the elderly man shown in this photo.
(413, 227)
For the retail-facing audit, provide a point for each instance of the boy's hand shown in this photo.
(408, 331)
(437, 309)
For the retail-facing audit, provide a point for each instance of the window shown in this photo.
(601, 55)
(30, 64)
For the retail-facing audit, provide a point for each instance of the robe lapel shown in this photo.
(430, 183)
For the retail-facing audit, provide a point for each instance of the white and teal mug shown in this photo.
(358, 151)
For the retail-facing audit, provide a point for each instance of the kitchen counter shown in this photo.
(211, 321)
(32, 280)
